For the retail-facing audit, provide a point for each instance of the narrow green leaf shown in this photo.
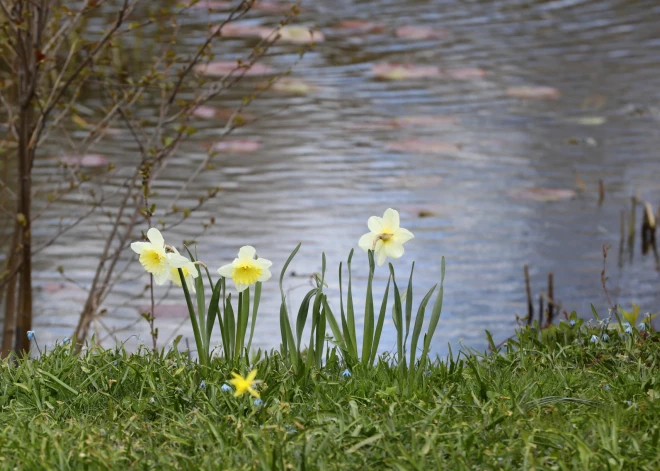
(214, 309)
(350, 312)
(397, 315)
(302, 316)
(417, 329)
(381, 321)
(368, 331)
(409, 301)
(230, 326)
(193, 321)
(320, 335)
(255, 309)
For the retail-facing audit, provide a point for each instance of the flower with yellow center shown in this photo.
(189, 272)
(247, 269)
(155, 259)
(386, 238)
(244, 385)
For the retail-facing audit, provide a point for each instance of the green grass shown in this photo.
(555, 401)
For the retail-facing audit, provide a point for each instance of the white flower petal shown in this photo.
(366, 242)
(155, 237)
(403, 235)
(247, 251)
(240, 287)
(393, 249)
(381, 256)
(391, 220)
(162, 278)
(375, 224)
(264, 263)
(226, 270)
(265, 275)
(192, 269)
(191, 284)
(138, 247)
(175, 260)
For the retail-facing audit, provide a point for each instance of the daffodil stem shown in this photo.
(152, 316)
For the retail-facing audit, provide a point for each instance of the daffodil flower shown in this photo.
(386, 238)
(189, 272)
(246, 270)
(244, 385)
(155, 259)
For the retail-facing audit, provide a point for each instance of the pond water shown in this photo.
(461, 140)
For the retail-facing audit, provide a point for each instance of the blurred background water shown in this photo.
(514, 98)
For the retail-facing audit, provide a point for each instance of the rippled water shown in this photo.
(341, 152)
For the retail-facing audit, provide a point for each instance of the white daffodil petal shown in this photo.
(240, 287)
(366, 242)
(226, 270)
(177, 261)
(375, 224)
(265, 275)
(162, 278)
(192, 269)
(247, 251)
(191, 285)
(391, 220)
(264, 263)
(393, 249)
(138, 247)
(381, 256)
(155, 237)
(403, 235)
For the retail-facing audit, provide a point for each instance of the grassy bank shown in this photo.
(557, 401)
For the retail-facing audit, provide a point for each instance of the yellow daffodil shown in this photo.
(386, 238)
(189, 272)
(247, 269)
(243, 385)
(154, 257)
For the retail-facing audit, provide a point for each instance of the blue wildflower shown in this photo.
(152, 401)
(572, 322)
(607, 387)
(629, 403)
(346, 373)
(594, 339)
(30, 334)
(225, 387)
(257, 402)
(642, 326)
(606, 338)
(66, 340)
(202, 385)
(628, 327)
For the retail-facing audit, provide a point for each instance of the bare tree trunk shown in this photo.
(9, 326)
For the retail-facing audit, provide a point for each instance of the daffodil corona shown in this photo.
(246, 384)
(155, 259)
(247, 269)
(386, 238)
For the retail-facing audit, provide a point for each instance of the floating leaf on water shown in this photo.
(465, 73)
(388, 71)
(242, 30)
(85, 160)
(300, 35)
(425, 213)
(360, 26)
(212, 5)
(293, 86)
(424, 146)
(209, 112)
(421, 32)
(236, 146)
(427, 121)
(544, 194)
(530, 92)
(222, 68)
(589, 120)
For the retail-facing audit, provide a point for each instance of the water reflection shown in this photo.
(455, 145)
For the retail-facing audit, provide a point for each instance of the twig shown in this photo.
(603, 278)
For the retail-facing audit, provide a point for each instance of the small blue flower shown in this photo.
(152, 400)
(225, 387)
(607, 387)
(642, 326)
(629, 403)
(572, 322)
(594, 339)
(202, 385)
(257, 402)
(30, 334)
(179, 390)
(66, 340)
(606, 338)
(346, 373)
(628, 327)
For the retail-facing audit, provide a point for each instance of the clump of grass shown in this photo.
(554, 399)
